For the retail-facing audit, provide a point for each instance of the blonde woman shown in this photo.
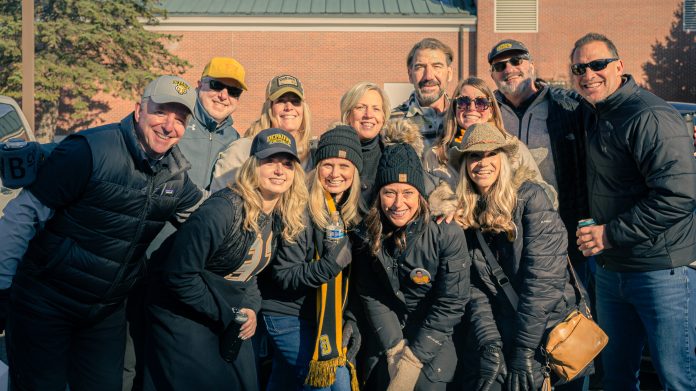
(518, 223)
(285, 108)
(473, 103)
(306, 272)
(209, 268)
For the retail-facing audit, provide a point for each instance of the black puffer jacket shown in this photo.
(641, 177)
(91, 252)
(425, 315)
(535, 262)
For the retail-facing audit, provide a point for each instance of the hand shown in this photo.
(340, 251)
(521, 375)
(249, 327)
(351, 339)
(592, 240)
(446, 218)
(407, 371)
(394, 356)
(491, 367)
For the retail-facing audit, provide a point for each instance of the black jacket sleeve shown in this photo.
(450, 292)
(542, 269)
(480, 305)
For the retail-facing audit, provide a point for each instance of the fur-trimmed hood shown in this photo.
(404, 131)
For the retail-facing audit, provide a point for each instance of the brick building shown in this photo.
(332, 44)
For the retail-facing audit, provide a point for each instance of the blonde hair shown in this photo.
(353, 95)
(290, 206)
(493, 211)
(317, 203)
(266, 120)
(451, 127)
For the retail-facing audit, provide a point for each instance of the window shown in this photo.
(689, 15)
(516, 16)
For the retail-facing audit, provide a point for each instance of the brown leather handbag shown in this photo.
(574, 342)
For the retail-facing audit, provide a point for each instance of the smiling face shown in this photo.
(429, 74)
(367, 116)
(483, 169)
(469, 115)
(336, 175)
(159, 126)
(219, 104)
(287, 112)
(596, 86)
(400, 203)
(275, 175)
(514, 80)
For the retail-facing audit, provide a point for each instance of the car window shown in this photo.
(10, 124)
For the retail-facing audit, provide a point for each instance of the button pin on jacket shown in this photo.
(420, 276)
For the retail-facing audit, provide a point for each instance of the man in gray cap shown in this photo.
(74, 241)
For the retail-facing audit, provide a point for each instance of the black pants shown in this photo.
(47, 347)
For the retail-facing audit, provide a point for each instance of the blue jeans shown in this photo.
(657, 305)
(293, 342)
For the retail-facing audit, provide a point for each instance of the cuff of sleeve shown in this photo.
(426, 345)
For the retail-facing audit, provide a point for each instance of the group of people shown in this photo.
(428, 247)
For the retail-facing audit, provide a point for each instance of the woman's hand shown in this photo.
(249, 327)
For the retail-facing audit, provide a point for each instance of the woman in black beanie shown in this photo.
(412, 277)
(305, 301)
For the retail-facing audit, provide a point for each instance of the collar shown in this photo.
(628, 87)
(415, 109)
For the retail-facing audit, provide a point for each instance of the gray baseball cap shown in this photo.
(171, 89)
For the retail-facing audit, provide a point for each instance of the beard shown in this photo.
(520, 88)
(429, 99)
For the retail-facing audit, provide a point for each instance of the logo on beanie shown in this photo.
(180, 87)
(278, 138)
(287, 80)
(342, 154)
(503, 46)
(403, 178)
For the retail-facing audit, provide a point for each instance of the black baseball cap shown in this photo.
(507, 46)
(271, 141)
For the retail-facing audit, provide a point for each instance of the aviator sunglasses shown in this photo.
(596, 65)
(218, 86)
(514, 61)
(480, 103)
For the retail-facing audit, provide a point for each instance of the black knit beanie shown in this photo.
(400, 164)
(341, 141)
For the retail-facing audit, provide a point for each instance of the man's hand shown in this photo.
(592, 240)
(249, 327)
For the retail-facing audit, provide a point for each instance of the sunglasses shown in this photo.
(514, 61)
(216, 85)
(596, 65)
(480, 103)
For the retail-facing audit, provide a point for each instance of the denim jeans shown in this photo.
(293, 342)
(657, 305)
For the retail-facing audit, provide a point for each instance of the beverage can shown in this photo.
(586, 223)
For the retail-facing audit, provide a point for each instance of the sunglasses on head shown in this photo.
(596, 65)
(480, 103)
(514, 61)
(216, 85)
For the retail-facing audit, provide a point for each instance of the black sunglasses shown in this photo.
(480, 103)
(596, 65)
(216, 85)
(514, 61)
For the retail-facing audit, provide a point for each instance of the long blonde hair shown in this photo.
(266, 120)
(493, 211)
(317, 203)
(290, 206)
(451, 128)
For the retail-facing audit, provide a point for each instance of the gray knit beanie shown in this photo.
(400, 164)
(341, 141)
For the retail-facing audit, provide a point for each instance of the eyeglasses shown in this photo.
(514, 61)
(596, 65)
(216, 85)
(480, 103)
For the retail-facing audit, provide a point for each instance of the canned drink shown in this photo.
(588, 223)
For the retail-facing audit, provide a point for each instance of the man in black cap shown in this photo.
(74, 241)
(546, 119)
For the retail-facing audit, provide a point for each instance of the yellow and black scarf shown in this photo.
(328, 352)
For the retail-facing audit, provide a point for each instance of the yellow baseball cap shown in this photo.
(225, 68)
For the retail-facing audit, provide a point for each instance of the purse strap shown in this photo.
(504, 282)
(500, 277)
